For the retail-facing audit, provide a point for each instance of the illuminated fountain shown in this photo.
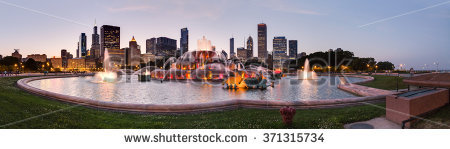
(200, 65)
(306, 74)
(108, 75)
(206, 65)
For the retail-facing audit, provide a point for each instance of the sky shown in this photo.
(410, 32)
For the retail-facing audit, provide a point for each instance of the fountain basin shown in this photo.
(192, 104)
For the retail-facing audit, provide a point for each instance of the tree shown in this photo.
(9, 61)
(333, 58)
(31, 65)
(385, 65)
(360, 64)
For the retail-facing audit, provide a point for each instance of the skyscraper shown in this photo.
(64, 57)
(242, 53)
(231, 47)
(82, 46)
(133, 53)
(78, 49)
(279, 52)
(150, 46)
(165, 46)
(293, 49)
(184, 41)
(110, 38)
(250, 47)
(262, 41)
(95, 47)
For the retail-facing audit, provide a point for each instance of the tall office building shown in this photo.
(184, 41)
(262, 41)
(78, 49)
(250, 47)
(242, 53)
(133, 53)
(95, 47)
(231, 47)
(64, 58)
(150, 46)
(293, 49)
(109, 38)
(279, 52)
(82, 47)
(165, 46)
(161, 46)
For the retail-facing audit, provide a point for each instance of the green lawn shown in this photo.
(21, 107)
(386, 83)
(441, 116)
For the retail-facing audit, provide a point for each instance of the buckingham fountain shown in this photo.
(200, 76)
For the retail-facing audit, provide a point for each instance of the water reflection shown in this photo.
(156, 92)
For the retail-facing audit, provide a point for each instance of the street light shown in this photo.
(437, 66)
(376, 68)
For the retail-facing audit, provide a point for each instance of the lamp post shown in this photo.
(376, 68)
(437, 66)
(15, 66)
(368, 68)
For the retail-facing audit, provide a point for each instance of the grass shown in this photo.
(17, 105)
(386, 82)
(441, 116)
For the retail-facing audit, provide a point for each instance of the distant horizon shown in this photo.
(389, 34)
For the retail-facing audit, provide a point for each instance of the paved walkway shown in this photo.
(364, 90)
(376, 123)
(36, 74)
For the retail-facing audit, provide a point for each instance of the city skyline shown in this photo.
(415, 39)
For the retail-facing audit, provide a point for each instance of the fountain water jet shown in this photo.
(306, 74)
(108, 75)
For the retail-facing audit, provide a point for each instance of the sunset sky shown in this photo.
(411, 32)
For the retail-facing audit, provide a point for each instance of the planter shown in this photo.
(288, 114)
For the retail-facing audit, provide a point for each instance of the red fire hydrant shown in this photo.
(288, 114)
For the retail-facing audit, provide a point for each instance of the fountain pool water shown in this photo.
(191, 92)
